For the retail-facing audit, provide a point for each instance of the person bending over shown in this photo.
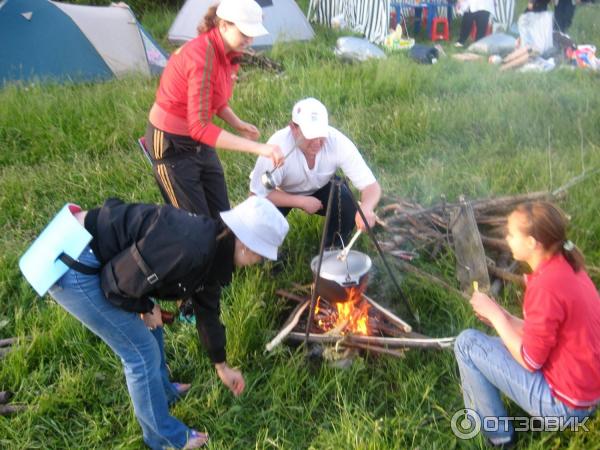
(120, 257)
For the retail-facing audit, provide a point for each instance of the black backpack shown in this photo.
(424, 54)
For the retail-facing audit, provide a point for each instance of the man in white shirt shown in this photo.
(314, 153)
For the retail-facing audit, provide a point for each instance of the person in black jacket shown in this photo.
(140, 251)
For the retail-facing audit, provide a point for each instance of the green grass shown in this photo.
(427, 131)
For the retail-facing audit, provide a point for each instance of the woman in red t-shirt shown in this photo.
(549, 361)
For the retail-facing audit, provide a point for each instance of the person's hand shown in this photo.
(311, 204)
(153, 319)
(248, 130)
(485, 308)
(274, 152)
(369, 215)
(231, 378)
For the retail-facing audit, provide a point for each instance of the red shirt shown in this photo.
(561, 331)
(197, 83)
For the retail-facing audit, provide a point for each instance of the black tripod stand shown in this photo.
(337, 183)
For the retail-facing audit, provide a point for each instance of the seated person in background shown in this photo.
(315, 151)
(535, 35)
(549, 361)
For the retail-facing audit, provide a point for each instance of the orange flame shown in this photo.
(353, 313)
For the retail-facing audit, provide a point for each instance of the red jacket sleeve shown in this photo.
(200, 72)
(544, 315)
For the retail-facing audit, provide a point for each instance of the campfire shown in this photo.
(349, 317)
(357, 323)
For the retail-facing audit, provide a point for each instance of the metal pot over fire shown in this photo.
(338, 276)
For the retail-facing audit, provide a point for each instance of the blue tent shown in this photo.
(45, 40)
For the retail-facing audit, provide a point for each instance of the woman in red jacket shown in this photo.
(197, 84)
(549, 361)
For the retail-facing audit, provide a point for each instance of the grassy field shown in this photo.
(427, 131)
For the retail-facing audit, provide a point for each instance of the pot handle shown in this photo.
(344, 253)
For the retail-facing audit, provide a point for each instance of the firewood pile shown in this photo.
(472, 230)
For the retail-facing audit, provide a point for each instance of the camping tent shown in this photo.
(40, 39)
(368, 17)
(282, 18)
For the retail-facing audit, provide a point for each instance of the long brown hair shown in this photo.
(209, 21)
(547, 224)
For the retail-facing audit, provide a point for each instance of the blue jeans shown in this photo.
(487, 369)
(141, 352)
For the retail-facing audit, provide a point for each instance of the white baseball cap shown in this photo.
(258, 224)
(311, 116)
(245, 14)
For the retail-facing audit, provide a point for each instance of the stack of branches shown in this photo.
(473, 230)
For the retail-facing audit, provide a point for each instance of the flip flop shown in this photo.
(196, 440)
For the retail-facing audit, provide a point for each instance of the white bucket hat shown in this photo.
(244, 14)
(311, 116)
(258, 224)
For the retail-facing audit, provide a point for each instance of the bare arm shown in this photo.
(230, 141)
(369, 198)
(281, 198)
(508, 327)
(245, 129)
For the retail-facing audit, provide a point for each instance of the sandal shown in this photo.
(196, 440)
(182, 388)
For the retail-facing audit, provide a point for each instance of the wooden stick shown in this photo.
(288, 327)
(370, 348)
(290, 296)
(5, 410)
(8, 341)
(502, 203)
(416, 271)
(372, 340)
(506, 275)
(390, 315)
(302, 287)
(5, 396)
(499, 244)
(593, 269)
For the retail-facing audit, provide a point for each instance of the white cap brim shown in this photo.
(251, 29)
(247, 236)
(313, 130)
